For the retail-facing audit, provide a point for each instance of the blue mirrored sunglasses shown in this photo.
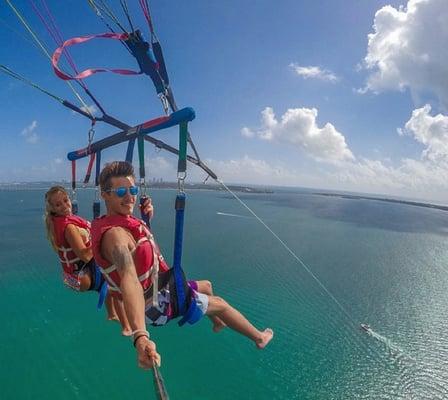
(121, 191)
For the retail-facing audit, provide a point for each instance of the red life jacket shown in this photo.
(71, 263)
(147, 258)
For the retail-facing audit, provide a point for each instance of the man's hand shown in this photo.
(147, 207)
(147, 355)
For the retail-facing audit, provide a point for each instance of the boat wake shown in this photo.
(232, 215)
(393, 349)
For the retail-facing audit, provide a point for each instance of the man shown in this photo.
(129, 258)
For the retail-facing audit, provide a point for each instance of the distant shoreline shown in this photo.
(151, 185)
(387, 200)
(18, 186)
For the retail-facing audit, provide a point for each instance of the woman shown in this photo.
(69, 236)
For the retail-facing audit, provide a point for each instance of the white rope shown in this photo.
(341, 307)
(292, 253)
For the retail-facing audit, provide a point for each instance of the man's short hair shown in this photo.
(115, 169)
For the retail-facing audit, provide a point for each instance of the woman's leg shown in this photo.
(126, 329)
(207, 288)
(110, 307)
(236, 321)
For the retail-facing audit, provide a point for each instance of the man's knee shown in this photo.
(205, 287)
(217, 304)
(208, 287)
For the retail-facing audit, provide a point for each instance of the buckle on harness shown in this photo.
(193, 314)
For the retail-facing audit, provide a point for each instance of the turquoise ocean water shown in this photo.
(384, 264)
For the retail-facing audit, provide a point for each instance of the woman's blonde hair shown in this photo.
(49, 213)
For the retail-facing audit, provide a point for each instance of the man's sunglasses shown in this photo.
(121, 191)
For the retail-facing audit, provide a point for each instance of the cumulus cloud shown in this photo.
(408, 49)
(246, 169)
(298, 127)
(426, 177)
(314, 72)
(246, 166)
(431, 131)
(246, 132)
(255, 171)
(160, 167)
(45, 171)
(411, 178)
(29, 133)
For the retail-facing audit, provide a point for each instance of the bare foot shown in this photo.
(126, 332)
(218, 325)
(266, 337)
(113, 318)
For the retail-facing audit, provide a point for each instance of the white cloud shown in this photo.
(411, 178)
(160, 167)
(430, 131)
(408, 49)
(58, 160)
(246, 166)
(246, 132)
(30, 134)
(238, 170)
(426, 177)
(251, 170)
(313, 72)
(45, 171)
(298, 127)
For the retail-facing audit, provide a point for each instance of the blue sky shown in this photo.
(343, 95)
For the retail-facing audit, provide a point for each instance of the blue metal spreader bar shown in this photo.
(184, 115)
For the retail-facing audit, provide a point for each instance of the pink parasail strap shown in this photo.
(91, 71)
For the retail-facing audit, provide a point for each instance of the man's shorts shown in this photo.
(162, 313)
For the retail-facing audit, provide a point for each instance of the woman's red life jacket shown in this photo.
(70, 262)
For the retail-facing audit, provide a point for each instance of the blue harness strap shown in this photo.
(102, 295)
(193, 313)
(97, 167)
(96, 203)
(130, 151)
(101, 287)
(178, 238)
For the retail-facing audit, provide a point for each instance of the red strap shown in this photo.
(89, 168)
(91, 71)
(154, 122)
(73, 174)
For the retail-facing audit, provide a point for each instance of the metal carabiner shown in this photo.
(143, 187)
(164, 100)
(91, 133)
(181, 181)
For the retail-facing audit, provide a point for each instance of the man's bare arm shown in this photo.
(116, 247)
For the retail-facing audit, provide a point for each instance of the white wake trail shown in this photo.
(232, 215)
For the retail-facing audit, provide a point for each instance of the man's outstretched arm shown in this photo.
(116, 247)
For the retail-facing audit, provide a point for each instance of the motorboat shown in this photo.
(365, 327)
